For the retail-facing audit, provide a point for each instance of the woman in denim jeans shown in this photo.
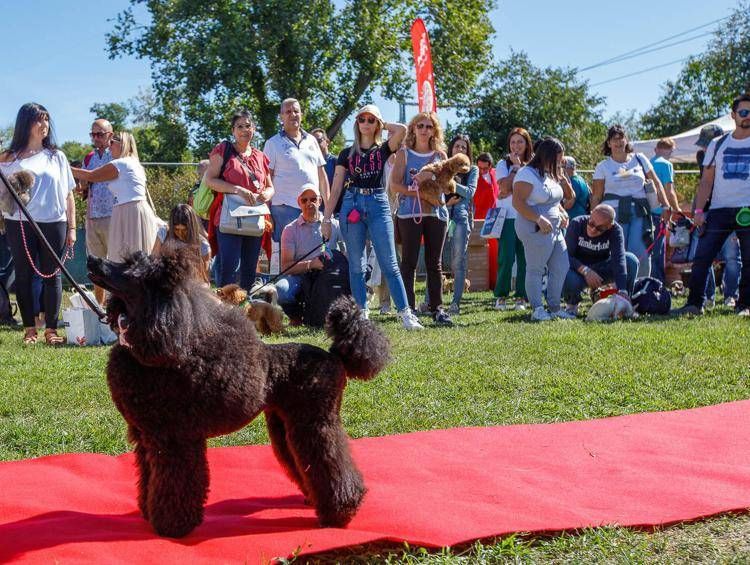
(619, 181)
(365, 212)
(461, 214)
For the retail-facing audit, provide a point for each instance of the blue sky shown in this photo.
(55, 51)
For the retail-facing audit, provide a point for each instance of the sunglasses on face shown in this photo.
(306, 199)
(97, 134)
(744, 113)
(363, 119)
(425, 126)
(597, 229)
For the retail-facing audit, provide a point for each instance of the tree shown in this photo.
(549, 101)
(211, 57)
(74, 150)
(6, 135)
(115, 113)
(707, 83)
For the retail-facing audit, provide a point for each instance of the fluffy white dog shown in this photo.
(613, 307)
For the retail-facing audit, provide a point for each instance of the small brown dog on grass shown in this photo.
(267, 316)
(449, 284)
(444, 171)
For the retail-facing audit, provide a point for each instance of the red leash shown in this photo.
(68, 255)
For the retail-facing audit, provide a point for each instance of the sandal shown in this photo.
(29, 336)
(51, 337)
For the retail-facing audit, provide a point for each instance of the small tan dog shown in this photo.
(449, 284)
(267, 316)
(444, 171)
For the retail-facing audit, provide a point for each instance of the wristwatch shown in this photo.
(326, 220)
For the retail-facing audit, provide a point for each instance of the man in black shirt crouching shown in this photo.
(596, 249)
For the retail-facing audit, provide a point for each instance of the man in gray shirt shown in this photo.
(302, 241)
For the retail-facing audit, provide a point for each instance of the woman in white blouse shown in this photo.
(134, 225)
(53, 209)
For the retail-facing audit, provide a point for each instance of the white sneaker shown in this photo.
(540, 315)
(563, 315)
(501, 304)
(730, 302)
(409, 320)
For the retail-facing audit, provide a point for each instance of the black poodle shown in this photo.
(188, 367)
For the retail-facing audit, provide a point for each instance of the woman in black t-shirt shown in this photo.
(365, 212)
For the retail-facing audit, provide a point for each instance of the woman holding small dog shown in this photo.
(365, 211)
(51, 206)
(417, 219)
(538, 191)
(245, 174)
(134, 224)
(462, 217)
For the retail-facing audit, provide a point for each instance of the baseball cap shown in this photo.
(708, 132)
(370, 109)
(569, 162)
(308, 186)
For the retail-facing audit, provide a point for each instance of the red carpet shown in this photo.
(429, 488)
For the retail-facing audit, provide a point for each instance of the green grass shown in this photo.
(494, 368)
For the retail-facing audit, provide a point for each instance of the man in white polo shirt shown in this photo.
(295, 159)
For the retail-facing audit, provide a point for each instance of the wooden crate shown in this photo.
(477, 270)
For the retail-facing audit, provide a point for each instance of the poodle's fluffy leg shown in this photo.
(141, 461)
(177, 488)
(321, 448)
(277, 433)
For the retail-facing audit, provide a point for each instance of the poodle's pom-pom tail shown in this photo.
(362, 348)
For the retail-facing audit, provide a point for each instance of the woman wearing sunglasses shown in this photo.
(365, 211)
(134, 224)
(419, 221)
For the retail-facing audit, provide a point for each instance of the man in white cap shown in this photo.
(295, 159)
(297, 240)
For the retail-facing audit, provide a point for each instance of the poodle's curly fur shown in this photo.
(444, 172)
(21, 183)
(189, 367)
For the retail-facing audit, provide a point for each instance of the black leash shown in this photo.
(92, 304)
(282, 273)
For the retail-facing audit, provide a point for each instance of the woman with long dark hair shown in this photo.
(51, 206)
(538, 191)
(619, 181)
(246, 177)
(510, 248)
(461, 214)
(365, 211)
(184, 229)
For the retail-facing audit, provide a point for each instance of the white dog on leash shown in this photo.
(613, 307)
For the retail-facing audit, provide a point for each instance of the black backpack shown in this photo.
(650, 296)
(320, 289)
(6, 311)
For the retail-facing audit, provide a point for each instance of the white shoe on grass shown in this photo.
(540, 315)
(563, 315)
(409, 321)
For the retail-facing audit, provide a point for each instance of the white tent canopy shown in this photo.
(686, 147)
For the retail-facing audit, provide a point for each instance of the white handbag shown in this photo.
(238, 218)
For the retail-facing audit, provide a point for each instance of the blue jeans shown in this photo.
(288, 288)
(459, 244)
(730, 253)
(575, 283)
(377, 224)
(238, 251)
(282, 215)
(658, 251)
(633, 232)
(720, 223)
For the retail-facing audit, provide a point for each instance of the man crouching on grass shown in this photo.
(596, 250)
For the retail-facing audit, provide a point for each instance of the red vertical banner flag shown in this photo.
(420, 43)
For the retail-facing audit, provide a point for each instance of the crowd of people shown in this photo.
(559, 236)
